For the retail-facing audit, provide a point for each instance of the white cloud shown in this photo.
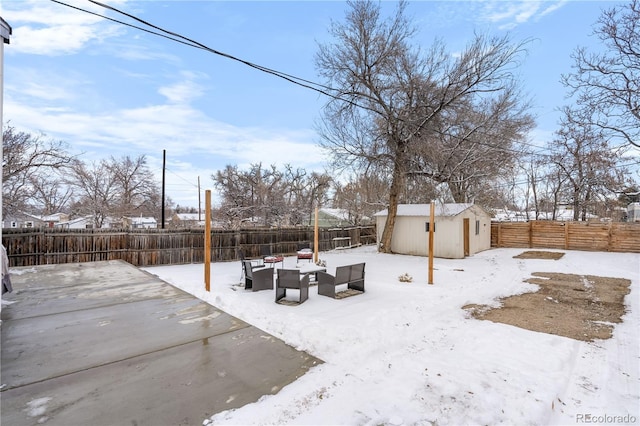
(196, 144)
(509, 14)
(47, 28)
(44, 88)
(182, 92)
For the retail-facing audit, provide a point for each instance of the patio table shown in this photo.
(311, 268)
(273, 260)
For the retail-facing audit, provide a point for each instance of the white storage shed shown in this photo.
(461, 229)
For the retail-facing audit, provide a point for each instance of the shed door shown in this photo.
(465, 230)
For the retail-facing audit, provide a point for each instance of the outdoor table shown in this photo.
(273, 260)
(311, 268)
(306, 254)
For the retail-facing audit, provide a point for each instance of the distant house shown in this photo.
(506, 215)
(460, 230)
(187, 220)
(88, 222)
(50, 220)
(328, 218)
(85, 222)
(564, 212)
(139, 222)
(22, 220)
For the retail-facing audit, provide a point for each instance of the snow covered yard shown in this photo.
(407, 353)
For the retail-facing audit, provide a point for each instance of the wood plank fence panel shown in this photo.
(547, 234)
(588, 236)
(148, 247)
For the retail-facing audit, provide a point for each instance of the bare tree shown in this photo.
(475, 144)
(362, 197)
(255, 195)
(585, 161)
(268, 196)
(608, 83)
(138, 191)
(50, 193)
(96, 190)
(391, 98)
(26, 158)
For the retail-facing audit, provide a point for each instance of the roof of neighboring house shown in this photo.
(337, 213)
(190, 216)
(53, 217)
(22, 216)
(143, 219)
(76, 220)
(446, 209)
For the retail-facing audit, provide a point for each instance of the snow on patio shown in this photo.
(406, 353)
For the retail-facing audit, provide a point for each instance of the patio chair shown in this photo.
(291, 279)
(351, 275)
(255, 263)
(268, 258)
(304, 252)
(257, 279)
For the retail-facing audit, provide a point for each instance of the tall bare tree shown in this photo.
(26, 158)
(586, 162)
(50, 193)
(268, 196)
(362, 196)
(95, 189)
(608, 83)
(391, 98)
(475, 144)
(138, 191)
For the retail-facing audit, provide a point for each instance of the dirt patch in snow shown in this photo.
(536, 254)
(582, 307)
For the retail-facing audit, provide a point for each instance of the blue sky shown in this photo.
(107, 89)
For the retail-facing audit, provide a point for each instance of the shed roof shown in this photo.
(446, 209)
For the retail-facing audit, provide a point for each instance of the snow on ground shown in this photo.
(408, 354)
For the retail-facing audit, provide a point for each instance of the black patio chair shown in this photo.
(255, 263)
(257, 279)
(290, 279)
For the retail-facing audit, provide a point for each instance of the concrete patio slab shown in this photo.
(105, 343)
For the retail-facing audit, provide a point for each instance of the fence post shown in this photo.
(207, 240)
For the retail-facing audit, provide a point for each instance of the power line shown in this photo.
(181, 178)
(322, 89)
(317, 87)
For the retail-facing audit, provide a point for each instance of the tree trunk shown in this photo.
(576, 204)
(395, 190)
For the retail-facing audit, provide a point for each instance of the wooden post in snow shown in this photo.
(315, 238)
(432, 223)
(207, 240)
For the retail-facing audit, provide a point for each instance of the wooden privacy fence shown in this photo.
(148, 247)
(589, 236)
